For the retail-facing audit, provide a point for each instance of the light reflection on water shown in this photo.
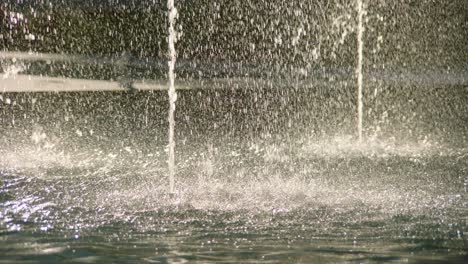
(328, 201)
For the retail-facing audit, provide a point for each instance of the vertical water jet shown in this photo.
(172, 93)
(360, 31)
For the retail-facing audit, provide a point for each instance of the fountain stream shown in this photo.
(274, 161)
(172, 92)
(360, 31)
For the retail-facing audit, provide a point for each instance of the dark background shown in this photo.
(412, 33)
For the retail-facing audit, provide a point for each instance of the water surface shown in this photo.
(84, 178)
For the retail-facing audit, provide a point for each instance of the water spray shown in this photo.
(360, 31)
(172, 93)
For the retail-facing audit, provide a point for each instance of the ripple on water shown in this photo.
(268, 202)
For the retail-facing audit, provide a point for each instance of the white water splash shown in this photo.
(347, 147)
(266, 177)
(12, 70)
(172, 92)
(360, 31)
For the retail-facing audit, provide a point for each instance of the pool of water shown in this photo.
(323, 202)
(84, 178)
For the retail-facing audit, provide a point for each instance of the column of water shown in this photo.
(360, 31)
(172, 92)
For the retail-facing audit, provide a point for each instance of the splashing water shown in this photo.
(268, 170)
(13, 70)
(172, 92)
(360, 31)
(334, 191)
